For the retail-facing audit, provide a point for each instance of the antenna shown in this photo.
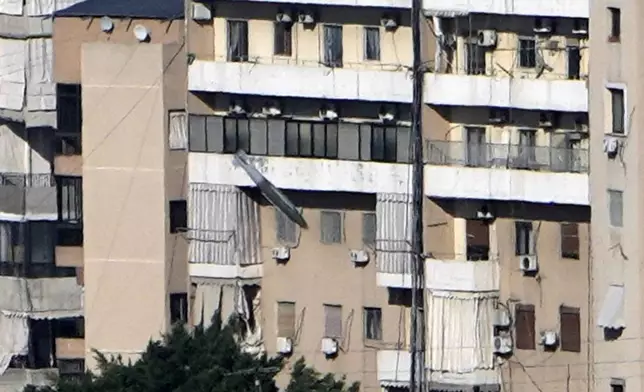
(141, 33)
(106, 24)
(270, 191)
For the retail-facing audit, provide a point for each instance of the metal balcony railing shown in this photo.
(509, 156)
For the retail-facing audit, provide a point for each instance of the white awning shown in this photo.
(444, 13)
(611, 314)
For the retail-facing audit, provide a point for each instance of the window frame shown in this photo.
(520, 225)
(282, 317)
(567, 315)
(325, 239)
(75, 182)
(525, 313)
(368, 312)
(524, 39)
(176, 140)
(565, 237)
(615, 24)
(282, 240)
(366, 217)
(365, 42)
(329, 330)
(613, 220)
(179, 314)
(178, 223)
(283, 39)
(242, 57)
(612, 89)
(338, 58)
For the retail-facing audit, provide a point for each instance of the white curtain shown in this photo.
(253, 342)
(13, 58)
(460, 331)
(393, 233)
(209, 298)
(14, 339)
(41, 90)
(11, 7)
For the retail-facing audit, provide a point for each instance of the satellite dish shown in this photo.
(141, 33)
(270, 191)
(106, 24)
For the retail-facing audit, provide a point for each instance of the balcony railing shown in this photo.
(508, 156)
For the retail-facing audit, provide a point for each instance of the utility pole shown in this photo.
(417, 371)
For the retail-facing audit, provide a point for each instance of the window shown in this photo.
(615, 208)
(369, 229)
(333, 46)
(478, 239)
(524, 327)
(178, 131)
(283, 39)
(286, 319)
(617, 385)
(41, 244)
(618, 110)
(331, 230)
(333, 321)
(527, 52)
(69, 327)
(615, 16)
(476, 146)
(69, 236)
(179, 308)
(71, 369)
(372, 43)
(384, 143)
(236, 135)
(178, 215)
(474, 58)
(570, 329)
(237, 41)
(570, 240)
(372, 323)
(287, 232)
(70, 199)
(523, 238)
(527, 149)
(311, 139)
(69, 117)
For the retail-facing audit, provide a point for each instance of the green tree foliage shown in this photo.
(206, 360)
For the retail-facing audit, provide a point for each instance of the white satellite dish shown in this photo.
(141, 33)
(106, 24)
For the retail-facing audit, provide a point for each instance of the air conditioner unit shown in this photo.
(543, 25)
(611, 145)
(201, 12)
(281, 253)
(328, 114)
(284, 345)
(236, 108)
(499, 116)
(528, 263)
(547, 119)
(549, 338)
(359, 256)
(329, 346)
(271, 111)
(501, 344)
(501, 318)
(388, 23)
(486, 38)
(283, 17)
(306, 18)
(580, 27)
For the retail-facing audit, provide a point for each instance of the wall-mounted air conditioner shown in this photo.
(580, 26)
(549, 339)
(359, 256)
(201, 12)
(502, 344)
(306, 18)
(284, 345)
(283, 17)
(501, 318)
(544, 25)
(528, 263)
(329, 346)
(281, 253)
(389, 22)
(486, 38)
(611, 146)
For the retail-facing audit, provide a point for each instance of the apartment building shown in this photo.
(41, 312)
(614, 86)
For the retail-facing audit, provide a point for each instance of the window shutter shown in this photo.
(286, 319)
(369, 229)
(524, 327)
(331, 227)
(570, 329)
(332, 321)
(570, 240)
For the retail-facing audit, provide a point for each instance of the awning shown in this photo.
(444, 13)
(611, 314)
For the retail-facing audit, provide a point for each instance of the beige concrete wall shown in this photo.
(617, 252)
(125, 188)
(395, 47)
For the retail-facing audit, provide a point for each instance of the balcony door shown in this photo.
(527, 149)
(475, 153)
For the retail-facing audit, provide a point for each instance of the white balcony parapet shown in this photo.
(374, 177)
(451, 275)
(225, 271)
(551, 8)
(286, 80)
(348, 3)
(504, 92)
(393, 368)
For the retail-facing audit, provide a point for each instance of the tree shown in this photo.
(206, 360)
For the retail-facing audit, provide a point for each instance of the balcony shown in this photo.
(393, 368)
(302, 80)
(508, 172)
(552, 8)
(505, 92)
(27, 197)
(41, 299)
(445, 275)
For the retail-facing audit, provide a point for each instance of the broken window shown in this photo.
(283, 39)
(524, 238)
(524, 327)
(570, 329)
(287, 232)
(569, 240)
(369, 229)
(478, 240)
(372, 43)
(373, 323)
(286, 319)
(527, 52)
(237, 40)
(333, 321)
(333, 46)
(331, 227)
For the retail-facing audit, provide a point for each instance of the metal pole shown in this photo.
(417, 379)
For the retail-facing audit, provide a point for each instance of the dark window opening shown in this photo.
(71, 369)
(309, 139)
(369, 229)
(524, 238)
(475, 58)
(570, 329)
(478, 240)
(72, 328)
(333, 46)
(570, 240)
(373, 323)
(527, 52)
(525, 327)
(237, 41)
(476, 147)
(69, 116)
(372, 43)
(615, 15)
(618, 110)
(384, 144)
(69, 236)
(179, 308)
(574, 62)
(178, 216)
(283, 39)
(70, 199)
